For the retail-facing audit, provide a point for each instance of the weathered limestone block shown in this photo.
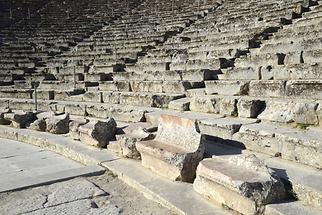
(93, 97)
(98, 132)
(20, 119)
(147, 86)
(119, 112)
(292, 58)
(249, 107)
(75, 109)
(74, 127)
(176, 150)
(277, 111)
(58, 124)
(267, 88)
(303, 146)
(229, 88)
(44, 94)
(3, 111)
(288, 111)
(180, 104)
(111, 97)
(38, 125)
(180, 86)
(228, 106)
(306, 89)
(114, 86)
(223, 128)
(205, 104)
(305, 113)
(134, 133)
(242, 183)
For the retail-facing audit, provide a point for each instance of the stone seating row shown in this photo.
(218, 178)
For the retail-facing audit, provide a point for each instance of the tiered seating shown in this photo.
(27, 45)
(106, 55)
(249, 76)
(14, 11)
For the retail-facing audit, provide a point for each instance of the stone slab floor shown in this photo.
(19, 161)
(103, 194)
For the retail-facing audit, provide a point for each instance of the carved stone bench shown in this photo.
(176, 150)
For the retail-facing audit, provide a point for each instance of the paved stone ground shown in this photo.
(19, 161)
(103, 194)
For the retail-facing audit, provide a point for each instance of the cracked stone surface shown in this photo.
(104, 194)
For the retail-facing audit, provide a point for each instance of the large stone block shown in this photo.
(223, 128)
(93, 97)
(147, 86)
(206, 104)
(180, 104)
(133, 134)
(267, 89)
(20, 118)
(302, 146)
(3, 111)
(98, 132)
(58, 124)
(288, 111)
(242, 183)
(119, 112)
(249, 107)
(176, 150)
(229, 88)
(74, 127)
(306, 89)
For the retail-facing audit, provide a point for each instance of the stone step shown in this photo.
(290, 208)
(240, 73)
(125, 113)
(178, 75)
(294, 144)
(292, 72)
(303, 89)
(301, 181)
(227, 87)
(164, 86)
(238, 182)
(180, 104)
(16, 93)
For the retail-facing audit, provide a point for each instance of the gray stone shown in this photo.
(176, 150)
(135, 133)
(64, 192)
(278, 111)
(249, 107)
(267, 88)
(305, 113)
(38, 125)
(180, 104)
(74, 127)
(297, 145)
(3, 111)
(20, 119)
(85, 206)
(287, 111)
(205, 104)
(224, 87)
(290, 208)
(306, 89)
(242, 183)
(228, 106)
(98, 132)
(58, 124)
